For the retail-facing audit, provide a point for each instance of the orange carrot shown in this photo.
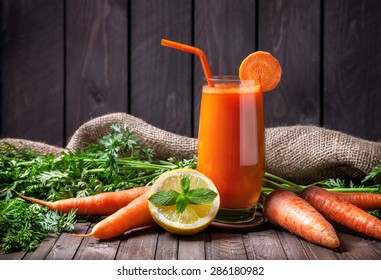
(134, 215)
(342, 212)
(365, 201)
(286, 209)
(263, 68)
(100, 204)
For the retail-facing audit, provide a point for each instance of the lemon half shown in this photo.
(195, 217)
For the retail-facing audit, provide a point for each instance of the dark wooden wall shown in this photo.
(64, 62)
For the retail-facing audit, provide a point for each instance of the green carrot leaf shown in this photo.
(373, 175)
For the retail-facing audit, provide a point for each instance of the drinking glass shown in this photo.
(231, 144)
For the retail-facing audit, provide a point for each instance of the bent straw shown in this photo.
(194, 50)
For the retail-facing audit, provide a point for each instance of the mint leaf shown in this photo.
(164, 198)
(181, 200)
(201, 196)
(181, 204)
(185, 185)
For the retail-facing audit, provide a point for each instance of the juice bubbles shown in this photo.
(231, 144)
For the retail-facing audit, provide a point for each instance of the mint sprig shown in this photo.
(186, 196)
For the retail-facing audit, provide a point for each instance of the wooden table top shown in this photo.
(265, 243)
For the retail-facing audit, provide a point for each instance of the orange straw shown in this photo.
(194, 50)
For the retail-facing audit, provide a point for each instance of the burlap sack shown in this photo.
(165, 144)
(306, 154)
(303, 154)
(37, 147)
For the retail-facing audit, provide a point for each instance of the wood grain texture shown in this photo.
(290, 31)
(66, 245)
(139, 245)
(264, 245)
(32, 77)
(317, 252)
(352, 67)
(360, 252)
(13, 256)
(94, 249)
(161, 77)
(225, 246)
(96, 60)
(66, 61)
(42, 251)
(291, 245)
(226, 35)
(192, 247)
(268, 243)
(167, 246)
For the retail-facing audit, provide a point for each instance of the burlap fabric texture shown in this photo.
(303, 154)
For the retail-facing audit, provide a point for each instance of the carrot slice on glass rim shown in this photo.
(263, 68)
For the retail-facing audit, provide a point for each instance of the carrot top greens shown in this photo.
(23, 226)
(116, 162)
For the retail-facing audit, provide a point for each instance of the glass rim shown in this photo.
(226, 79)
(222, 77)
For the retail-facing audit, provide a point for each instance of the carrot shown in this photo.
(100, 204)
(342, 212)
(263, 68)
(286, 209)
(134, 215)
(365, 201)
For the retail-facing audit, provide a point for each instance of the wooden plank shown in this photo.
(352, 67)
(161, 77)
(94, 249)
(227, 36)
(32, 78)
(225, 246)
(292, 246)
(317, 252)
(96, 60)
(264, 245)
(13, 256)
(66, 245)
(167, 246)
(43, 249)
(354, 247)
(290, 31)
(138, 245)
(376, 245)
(192, 247)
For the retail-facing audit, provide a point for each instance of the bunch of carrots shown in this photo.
(304, 211)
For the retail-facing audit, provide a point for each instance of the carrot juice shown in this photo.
(231, 142)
